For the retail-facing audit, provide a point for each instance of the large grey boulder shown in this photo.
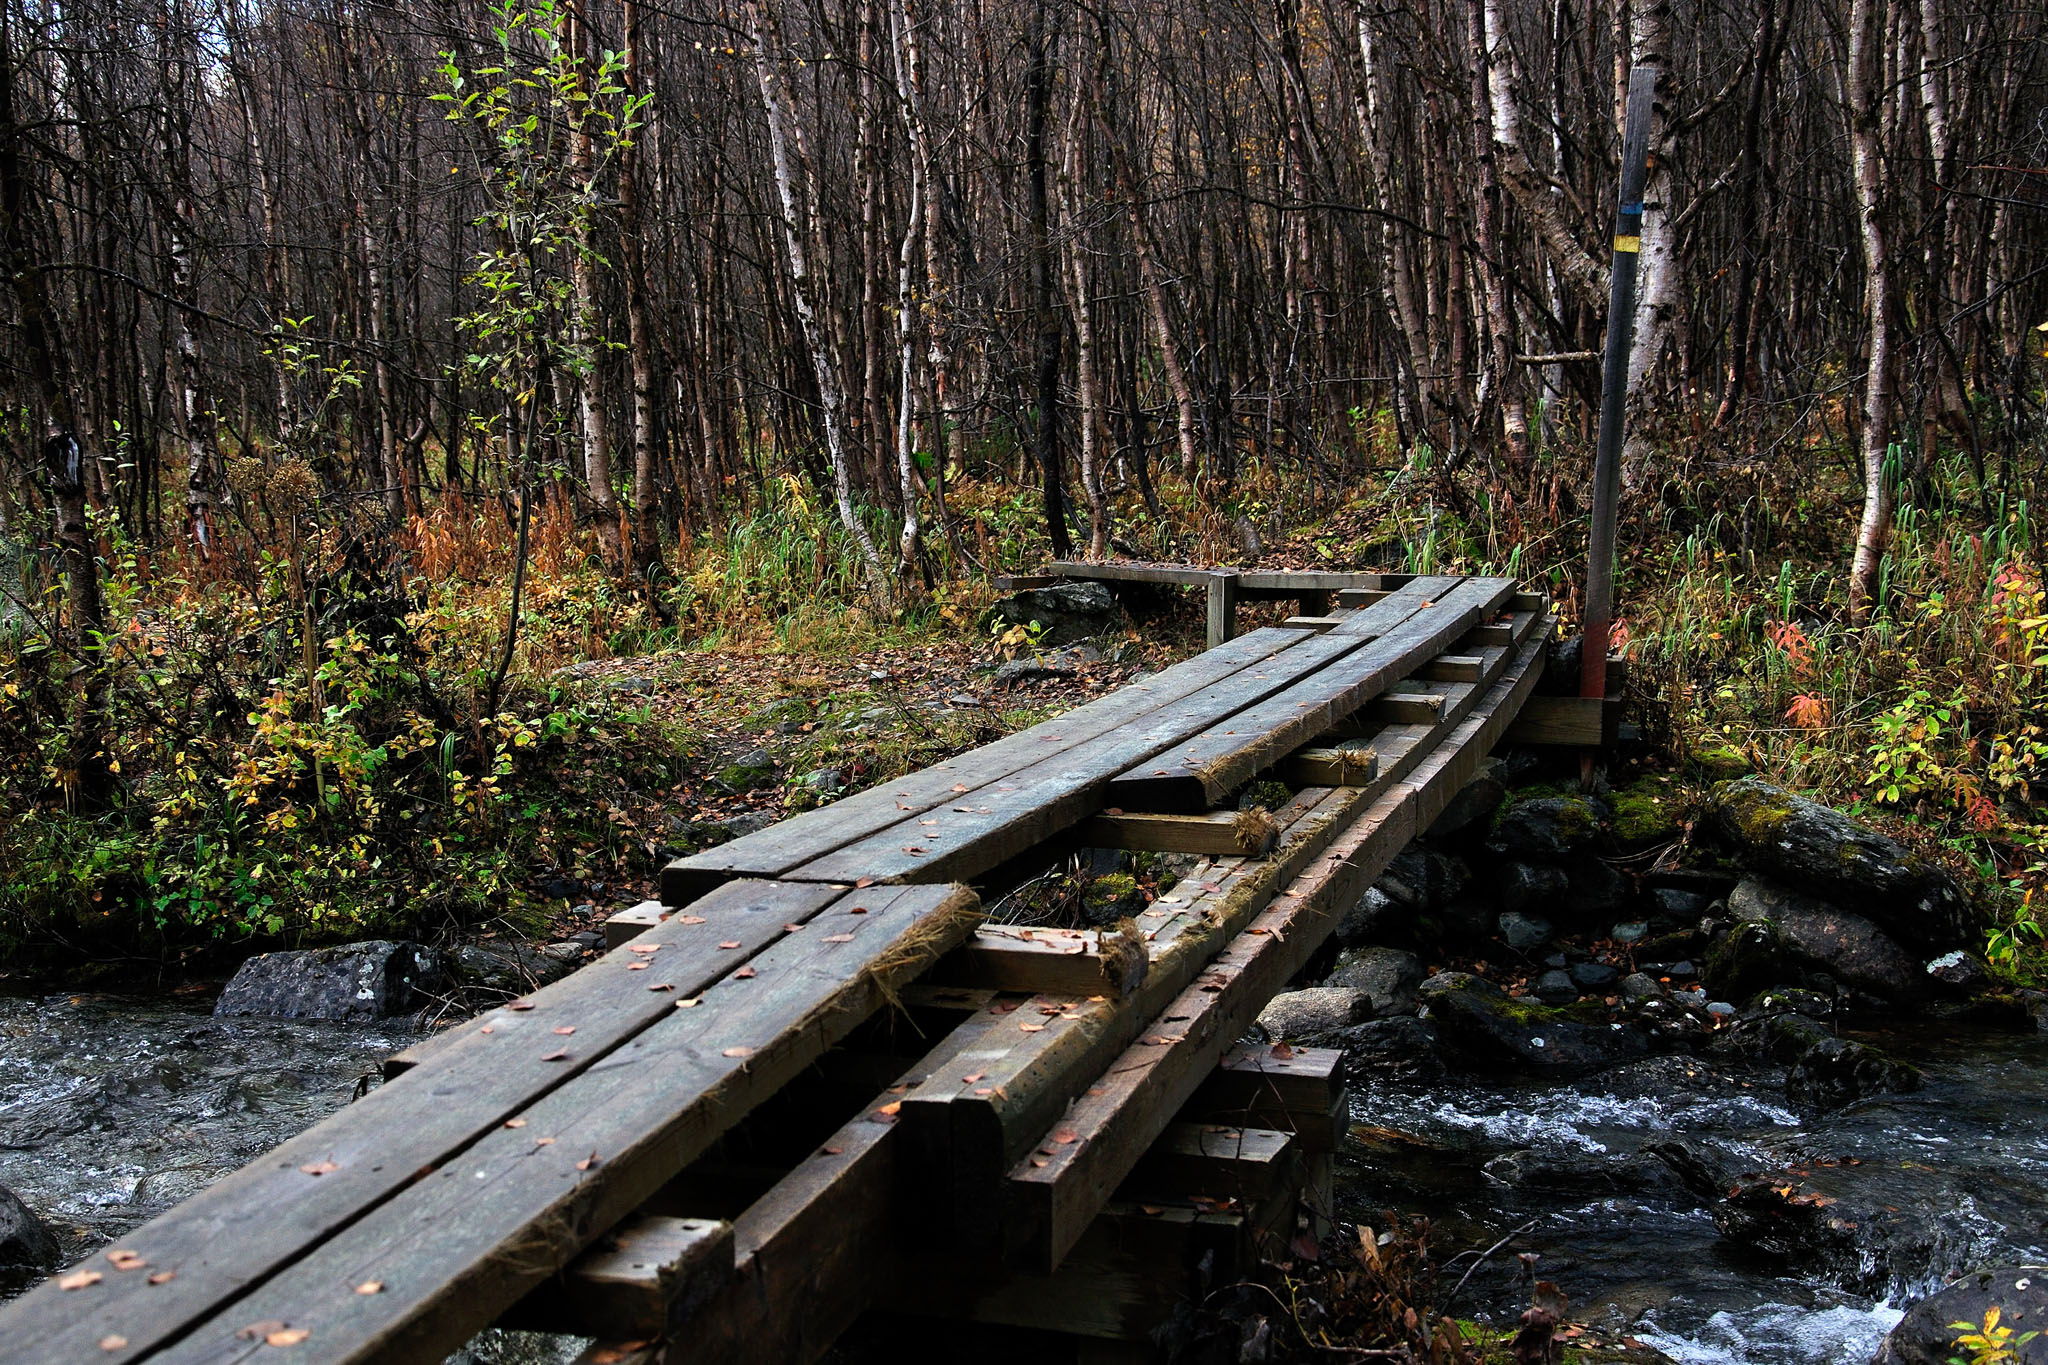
(2019, 1293)
(1311, 1016)
(1388, 976)
(1828, 938)
(27, 1247)
(1067, 611)
(357, 982)
(1818, 850)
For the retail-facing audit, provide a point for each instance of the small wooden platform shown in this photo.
(1312, 591)
(809, 1081)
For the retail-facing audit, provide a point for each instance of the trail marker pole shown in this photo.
(1621, 316)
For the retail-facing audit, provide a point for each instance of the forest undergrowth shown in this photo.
(303, 746)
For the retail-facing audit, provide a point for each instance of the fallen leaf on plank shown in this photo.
(689, 919)
(730, 943)
(163, 1277)
(555, 1056)
(319, 1167)
(286, 1336)
(745, 972)
(370, 1287)
(566, 1029)
(738, 1052)
(79, 1279)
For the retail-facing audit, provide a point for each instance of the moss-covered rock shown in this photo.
(1481, 1024)
(1645, 813)
(1550, 827)
(1824, 853)
(1720, 762)
(1749, 958)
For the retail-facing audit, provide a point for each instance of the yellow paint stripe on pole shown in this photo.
(1632, 245)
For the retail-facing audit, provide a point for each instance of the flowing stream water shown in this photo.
(112, 1109)
(1935, 1182)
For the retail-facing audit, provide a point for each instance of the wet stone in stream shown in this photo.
(1838, 1216)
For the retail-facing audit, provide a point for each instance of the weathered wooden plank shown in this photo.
(1318, 623)
(1055, 1191)
(1220, 610)
(1125, 571)
(1213, 832)
(1354, 763)
(822, 1242)
(978, 830)
(1588, 722)
(1027, 1060)
(1299, 1090)
(229, 1238)
(1014, 957)
(463, 1243)
(633, 1281)
(813, 1253)
(1406, 708)
(1361, 597)
(813, 834)
(1064, 1049)
(633, 921)
(1505, 634)
(1215, 1161)
(1452, 668)
(1402, 634)
(1294, 581)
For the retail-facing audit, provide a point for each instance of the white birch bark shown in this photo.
(799, 222)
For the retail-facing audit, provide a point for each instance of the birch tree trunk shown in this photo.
(1397, 270)
(1657, 278)
(644, 511)
(1863, 87)
(799, 223)
(1491, 75)
(593, 416)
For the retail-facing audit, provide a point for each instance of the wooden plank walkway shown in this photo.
(815, 1057)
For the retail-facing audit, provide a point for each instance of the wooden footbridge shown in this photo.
(811, 1081)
